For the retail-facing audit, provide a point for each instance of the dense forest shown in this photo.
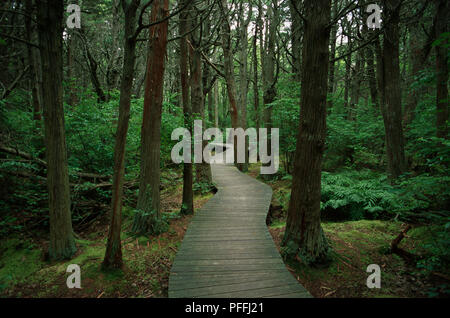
(91, 92)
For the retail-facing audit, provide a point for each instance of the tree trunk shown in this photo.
(113, 255)
(202, 169)
(112, 72)
(216, 104)
(255, 74)
(371, 76)
(187, 206)
(62, 243)
(229, 73)
(356, 84)
(304, 235)
(268, 68)
(442, 110)
(33, 58)
(148, 198)
(332, 56)
(296, 35)
(243, 34)
(392, 113)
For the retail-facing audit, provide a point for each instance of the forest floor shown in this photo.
(355, 245)
(24, 272)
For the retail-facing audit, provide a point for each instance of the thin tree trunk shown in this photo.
(148, 203)
(62, 243)
(332, 56)
(356, 85)
(244, 22)
(229, 73)
(255, 75)
(202, 169)
(296, 35)
(187, 206)
(442, 110)
(304, 235)
(33, 57)
(216, 104)
(371, 76)
(268, 68)
(113, 255)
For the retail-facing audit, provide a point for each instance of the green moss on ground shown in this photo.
(147, 261)
(355, 245)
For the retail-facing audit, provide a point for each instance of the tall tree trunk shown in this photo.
(296, 35)
(216, 104)
(202, 169)
(268, 61)
(442, 111)
(255, 74)
(113, 255)
(229, 73)
(62, 243)
(348, 70)
(333, 37)
(187, 205)
(112, 71)
(370, 57)
(243, 34)
(392, 113)
(356, 84)
(33, 57)
(148, 199)
(304, 235)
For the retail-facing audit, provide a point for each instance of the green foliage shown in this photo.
(357, 143)
(435, 246)
(157, 225)
(203, 187)
(366, 194)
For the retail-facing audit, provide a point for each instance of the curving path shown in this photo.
(227, 251)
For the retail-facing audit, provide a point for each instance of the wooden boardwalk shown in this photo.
(227, 251)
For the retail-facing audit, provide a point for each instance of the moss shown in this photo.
(425, 234)
(17, 262)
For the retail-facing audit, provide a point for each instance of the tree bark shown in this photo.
(304, 235)
(258, 29)
(243, 68)
(33, 57)
(296, 36)
(62, 243)
(392, 104)
(442, 110)
(187, 206)
(148, 204)
(229, 73)
(113, 255)
(202, 169)
(268, 61)
(333, 36)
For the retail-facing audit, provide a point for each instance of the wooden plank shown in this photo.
(227, 250)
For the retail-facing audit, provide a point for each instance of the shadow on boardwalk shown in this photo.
(227, 251)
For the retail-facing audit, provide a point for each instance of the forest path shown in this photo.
(227, 251)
